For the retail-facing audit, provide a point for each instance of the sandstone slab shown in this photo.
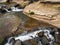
(48, 13)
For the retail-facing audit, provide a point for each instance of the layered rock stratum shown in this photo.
(48, 13)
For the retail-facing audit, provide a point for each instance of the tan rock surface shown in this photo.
(50, 0)
(48, 13)
(22, 2)
(2, 0)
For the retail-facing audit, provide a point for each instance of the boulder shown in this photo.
(31, 24)
(8, 24)
(47, 13)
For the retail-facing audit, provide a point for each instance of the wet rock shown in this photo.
(30, 42)
(2, 11)
(8, 24)
(5, 5)
(18, 42)
(29, 25)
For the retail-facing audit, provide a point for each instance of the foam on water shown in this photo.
(13, 9)
(33, 35)
(16, 9)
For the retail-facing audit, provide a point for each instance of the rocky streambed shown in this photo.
(12, 21)
(17, 28)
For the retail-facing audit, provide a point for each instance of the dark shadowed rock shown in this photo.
(24, 3)
(30, 42)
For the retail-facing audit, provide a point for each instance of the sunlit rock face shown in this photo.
(50, 0)
(2, 0)
(48, 13)
(8, 24)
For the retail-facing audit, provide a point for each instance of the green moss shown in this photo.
(0, 23)
(1, 40)
(31, 12)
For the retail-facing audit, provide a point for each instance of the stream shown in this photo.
(31, 35)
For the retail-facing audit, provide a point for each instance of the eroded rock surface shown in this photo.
(48, 13)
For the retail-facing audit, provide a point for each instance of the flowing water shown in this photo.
(27, 35)
(32, 35)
